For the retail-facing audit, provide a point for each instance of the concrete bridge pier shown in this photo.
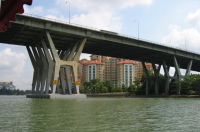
(147, 78)
(156, 73)
(178, 74)
(187, 73)
(167, 77)
(52, 67)
(35, 68)
(39, 70)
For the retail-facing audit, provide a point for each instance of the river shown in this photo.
(20, 114)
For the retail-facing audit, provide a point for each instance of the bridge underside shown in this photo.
(54, 49)
(28, 29)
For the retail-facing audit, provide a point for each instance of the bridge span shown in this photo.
(54, 49)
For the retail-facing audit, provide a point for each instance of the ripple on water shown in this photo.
(99, 114)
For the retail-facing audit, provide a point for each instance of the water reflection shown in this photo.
(99, 114)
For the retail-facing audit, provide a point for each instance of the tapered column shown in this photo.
(35, 67)
(147, 78)
(178, 73)
(167, 77)
(56, 61)
(70, 69)
(69, 81)
(189, 68)
(44, 69)
(156, 73)
(62, 80)
(50, 67)
(40, 67)
(76, 58)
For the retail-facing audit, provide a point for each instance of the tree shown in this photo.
(132, 89)
(137, 81)
(190, 84)
(118, 89)
(109, 86)
(86, 86)
(161, 89)
(124, 89)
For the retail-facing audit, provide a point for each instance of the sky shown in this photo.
(170, 22)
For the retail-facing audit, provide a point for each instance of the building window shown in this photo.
(128, 74)
(91, 72)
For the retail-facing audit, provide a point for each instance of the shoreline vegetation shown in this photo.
(127, 95)
(189, 86)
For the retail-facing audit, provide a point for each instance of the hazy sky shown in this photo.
(171, 22)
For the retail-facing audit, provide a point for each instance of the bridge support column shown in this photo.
(189, 68)
(35, 67)
(156, 73)
(178, 75)
(167, 77)
(56, 67)
(45, 68)
(50, 67)
(40, 67)
(71, 62)
(147, 78)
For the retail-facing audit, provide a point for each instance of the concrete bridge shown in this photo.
(55, 47)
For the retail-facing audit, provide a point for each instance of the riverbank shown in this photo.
(127, 95)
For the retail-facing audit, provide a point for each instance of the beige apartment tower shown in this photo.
(117, 70)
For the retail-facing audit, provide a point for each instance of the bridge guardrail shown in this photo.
(83, 26)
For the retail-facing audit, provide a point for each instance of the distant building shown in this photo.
(7, 85)
(117, 70)
(126, 72)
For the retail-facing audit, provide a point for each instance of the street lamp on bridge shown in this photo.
(69, 10)
(184, 41)
(138, 28)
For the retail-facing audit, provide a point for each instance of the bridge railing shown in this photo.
(96, 29)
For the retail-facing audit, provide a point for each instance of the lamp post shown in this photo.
(69, 10)
(138, 28)
(185, 41)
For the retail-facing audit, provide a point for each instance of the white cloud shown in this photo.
(194, 18)
(102, 5)
(183, 38)
(41, 11)
(101, 14)
(85, 56)
(98, 14)
(106, 21)
(12, 67)
(35, 10)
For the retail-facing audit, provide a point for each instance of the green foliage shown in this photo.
(124, 89)
(141, 90)
(191, 84)
(132, 88)
(4, 91)
(97, 86)
(118, 89)
(109, 86)
(137, 81)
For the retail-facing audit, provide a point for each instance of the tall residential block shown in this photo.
(117, 70)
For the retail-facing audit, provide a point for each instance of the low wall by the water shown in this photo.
(123, 94)
(56, 96)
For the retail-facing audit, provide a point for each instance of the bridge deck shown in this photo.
(28, 30)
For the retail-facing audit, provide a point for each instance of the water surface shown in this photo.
(18, 113)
